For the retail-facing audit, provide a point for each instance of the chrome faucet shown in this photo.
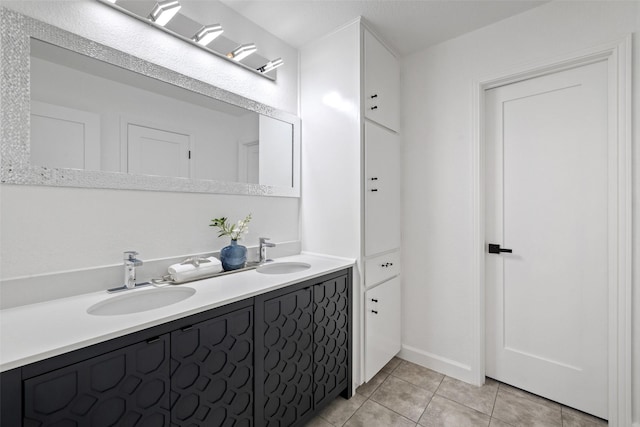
(130, 264)
(263, 249)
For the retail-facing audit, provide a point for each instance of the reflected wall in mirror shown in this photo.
(96, 120)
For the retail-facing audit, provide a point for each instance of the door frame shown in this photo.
(618, 56)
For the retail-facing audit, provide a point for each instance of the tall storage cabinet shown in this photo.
(382, 201)
(351, 206)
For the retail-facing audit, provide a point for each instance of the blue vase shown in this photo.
(233, 256)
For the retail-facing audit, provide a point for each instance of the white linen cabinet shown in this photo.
(382, 201)
(351, 198)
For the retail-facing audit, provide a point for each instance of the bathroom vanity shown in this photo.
(255, 348)
(248, 349)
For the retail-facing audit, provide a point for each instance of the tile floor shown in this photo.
(405, 394)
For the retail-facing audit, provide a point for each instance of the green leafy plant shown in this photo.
(235, 230)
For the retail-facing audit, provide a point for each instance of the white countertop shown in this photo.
(35, 332)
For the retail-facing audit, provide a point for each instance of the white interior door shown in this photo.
(157, 152)
(547, 199)
(276, 152)
(249, 162)
(64, 137)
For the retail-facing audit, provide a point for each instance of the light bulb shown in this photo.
(242, 51)
(164, 11)
(207, 34)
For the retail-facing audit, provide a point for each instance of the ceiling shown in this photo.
(407, 26)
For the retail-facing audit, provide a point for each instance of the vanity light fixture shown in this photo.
(242, 51)
(271, 65)
(207, 34)
(164, 11)
(206, 37)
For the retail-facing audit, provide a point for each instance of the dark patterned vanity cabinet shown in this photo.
(303, 338)
(272, 360)
(212, 371)
(287, 356)
(128, 386)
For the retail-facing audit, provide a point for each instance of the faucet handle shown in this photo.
(130, 255)
(264, 239)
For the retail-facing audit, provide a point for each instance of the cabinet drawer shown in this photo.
(380, 268)
(382, 326)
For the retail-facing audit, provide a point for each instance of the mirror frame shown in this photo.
(16, 33)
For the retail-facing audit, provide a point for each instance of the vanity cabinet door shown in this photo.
(125, 387)
(287, 357)
(212, 372)
(331, 313)
(381, 84)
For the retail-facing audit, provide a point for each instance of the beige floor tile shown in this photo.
(402, 397)
(573, 418)
(418, 375)
(497, 423)
(443, 412)
(341, 409)
(393, 364)
(318, 422)
(368, 388)
(550, 403)
(372, 414)
(521, 411)
(479, 398)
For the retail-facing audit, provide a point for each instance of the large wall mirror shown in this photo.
(77, 113)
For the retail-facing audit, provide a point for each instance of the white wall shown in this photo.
(331, 156)
(437, 130)
(330, 113)
(47, 229)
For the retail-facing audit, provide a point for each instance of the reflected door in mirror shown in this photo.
(276, 152)
(157, 152)
(64, 137)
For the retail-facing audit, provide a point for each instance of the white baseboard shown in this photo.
(437, 363)
(637, 424)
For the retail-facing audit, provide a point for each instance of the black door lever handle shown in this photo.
(496, 249)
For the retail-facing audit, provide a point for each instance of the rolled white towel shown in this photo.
(188, 271)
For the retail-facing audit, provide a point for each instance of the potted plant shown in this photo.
(234, 256)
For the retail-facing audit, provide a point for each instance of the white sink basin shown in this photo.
(282, 267)
(143, 300)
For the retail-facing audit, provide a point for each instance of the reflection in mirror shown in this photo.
(88, 114)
